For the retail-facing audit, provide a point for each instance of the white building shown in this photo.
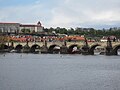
(33, 28)
(9, 27)
(17, 27)
(112, 38)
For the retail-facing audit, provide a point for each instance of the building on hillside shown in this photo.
(17, 27)
(9, 27)
(112, 38)
(31, 27)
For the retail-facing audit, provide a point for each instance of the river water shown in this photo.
(59, 72)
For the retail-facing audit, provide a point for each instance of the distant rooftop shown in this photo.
(28, 25)
(23, 25)
(8, 23)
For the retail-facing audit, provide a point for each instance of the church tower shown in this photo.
(39, 27)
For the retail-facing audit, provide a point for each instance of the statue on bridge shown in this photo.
(109, 48)
(85, 48)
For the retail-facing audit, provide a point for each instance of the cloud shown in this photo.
(87, 13)
(66, 13)
(23, 14)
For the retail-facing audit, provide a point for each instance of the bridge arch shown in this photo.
(74, 48)
(19, 48)
(92, 48)
(54, 49)
(35, 48)
(115, 49)
(3, 46)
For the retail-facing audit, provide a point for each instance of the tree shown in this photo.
(51, 30)
(25, 30)
(71, 31)
(3, 39)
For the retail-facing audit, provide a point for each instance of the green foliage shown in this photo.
(88, 32)
(3, 39)
(25, 30)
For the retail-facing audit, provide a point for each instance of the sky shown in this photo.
(62, 13)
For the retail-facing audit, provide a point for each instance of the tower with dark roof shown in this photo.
(39, 23)
(39, 27)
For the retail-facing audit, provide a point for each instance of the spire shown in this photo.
(39, 23)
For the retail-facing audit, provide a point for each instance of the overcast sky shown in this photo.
(62, 13)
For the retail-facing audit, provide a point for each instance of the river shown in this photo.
(59, 72)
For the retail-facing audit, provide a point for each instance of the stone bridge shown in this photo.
(68, 44)
(66, 47)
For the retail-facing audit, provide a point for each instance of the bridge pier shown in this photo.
(109, 48)
(85, 48)
(64, 48)
(11, 46)
(44, 48)
(26, 48)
